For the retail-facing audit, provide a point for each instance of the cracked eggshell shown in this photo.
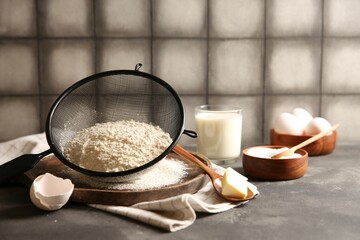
(49, 192)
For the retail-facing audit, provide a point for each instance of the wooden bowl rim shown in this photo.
(304, 154)
(263, 168)
(272, 130)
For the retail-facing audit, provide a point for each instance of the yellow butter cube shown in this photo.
(234, 184)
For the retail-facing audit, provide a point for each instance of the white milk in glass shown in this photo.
(219, 132)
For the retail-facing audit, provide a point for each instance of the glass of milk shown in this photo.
(219, 132)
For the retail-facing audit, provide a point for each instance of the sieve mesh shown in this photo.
(114, 96)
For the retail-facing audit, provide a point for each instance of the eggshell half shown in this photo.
(49, 192)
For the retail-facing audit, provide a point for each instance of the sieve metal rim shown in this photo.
(69, 90)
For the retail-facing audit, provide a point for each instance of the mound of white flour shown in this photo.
(116, 146)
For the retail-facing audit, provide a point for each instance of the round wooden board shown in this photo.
(90, 193)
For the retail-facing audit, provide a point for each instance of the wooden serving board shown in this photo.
(87, 190)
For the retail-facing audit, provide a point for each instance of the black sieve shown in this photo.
(107, 97)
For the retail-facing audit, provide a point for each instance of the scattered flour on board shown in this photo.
(116, 146)
(166, 172)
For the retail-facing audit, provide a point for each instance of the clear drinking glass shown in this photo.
(219, 130)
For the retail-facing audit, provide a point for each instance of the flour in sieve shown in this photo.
(116, 146)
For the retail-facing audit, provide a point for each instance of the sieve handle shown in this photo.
(190, 133)
(138, 66)
(20, 165)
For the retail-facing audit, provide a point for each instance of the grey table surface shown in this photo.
(324, 204)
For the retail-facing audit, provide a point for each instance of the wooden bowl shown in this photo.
(324, 145)
(275, 169)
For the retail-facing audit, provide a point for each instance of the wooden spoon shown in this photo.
(292, 150)
(214, 176)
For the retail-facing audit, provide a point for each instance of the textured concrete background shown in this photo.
(265, 56)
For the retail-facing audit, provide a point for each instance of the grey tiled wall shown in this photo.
(265, 56)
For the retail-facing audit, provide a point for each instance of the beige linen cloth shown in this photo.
(171, 214)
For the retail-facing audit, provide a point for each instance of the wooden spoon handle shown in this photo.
(314, 138)
(184, 153)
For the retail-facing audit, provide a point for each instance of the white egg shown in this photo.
(287, 123)
(316, 126)
(304, 116)
(49, 192)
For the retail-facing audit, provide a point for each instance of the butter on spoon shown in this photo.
(216, 179)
